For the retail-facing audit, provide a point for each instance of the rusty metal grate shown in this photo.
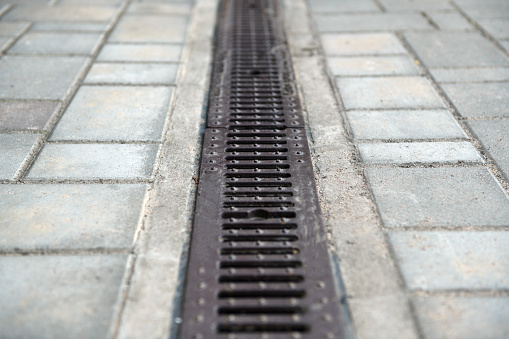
(258, 264)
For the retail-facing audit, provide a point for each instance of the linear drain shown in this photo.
(258, 263)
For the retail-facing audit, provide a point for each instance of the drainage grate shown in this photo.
(258, 265)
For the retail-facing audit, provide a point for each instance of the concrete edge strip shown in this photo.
(376, 296)
(151, 289)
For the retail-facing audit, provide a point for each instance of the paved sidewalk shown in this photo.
(102, 107)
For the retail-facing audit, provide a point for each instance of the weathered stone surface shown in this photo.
(25, 115)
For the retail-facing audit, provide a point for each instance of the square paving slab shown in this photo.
(463, 317)
(115, 113)
(25, 115)
(453, 260)
(29, 77)
(388, 92)
(480, 100)
(14, 148)
(93, 161)
(404, 124)
(40, 298)
(69, 216)
(438, 197)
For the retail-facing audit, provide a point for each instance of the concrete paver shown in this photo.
(25, 115)
(72, 216)
(27, 77)
(463, 317)
(150, 28)
(132, 73)
(15, 148)
(57, 13)
(415, 197)
(63, 26)
(40, 298)
(371, 22)
(415, 5)
(94, 161)
(419, 152)
(379, 65)
(388, 92)
(453, 260)
(404, 124)
(361, 44)
(326, 6)
(115, 113)
(140, 53)
(55, 43)
(450, 21)
(444, 75)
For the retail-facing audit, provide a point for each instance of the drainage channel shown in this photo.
(258, 263)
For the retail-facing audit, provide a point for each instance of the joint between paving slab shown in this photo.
(405, 140)
(455, 293)
(5, 9)
(65, 251)
(421, 164)
(15, 38)
(429, 20)
(446, 228)
(84, 181)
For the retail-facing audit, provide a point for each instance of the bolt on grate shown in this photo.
(258, 264)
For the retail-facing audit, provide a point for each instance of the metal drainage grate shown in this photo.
(259, 265)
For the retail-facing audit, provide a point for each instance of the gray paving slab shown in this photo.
(372, 65)
(327, 6)
(450, 21)
(52, 216)
(25, 115)
(61, 13)
(28, 77)
(463, 317)
(362, 44)
(160, 8)
(40, 298)
(90, 2)
(56, 43)
(458, 49)
(453, 260)
(388, 92)
(150, 28)
(133, 74)
(63, 26)
(417, 197)
(94, 161)
(115, 113)
(371, 22)
(141, 53)
(497, 27)
(470, 74)
(419, 152)
(14, 148)
(4, 43)
(480, 100)
(505, 44)
(485, 9)
(418, 5)
(494, 136)
(11, 28)
(404, 125)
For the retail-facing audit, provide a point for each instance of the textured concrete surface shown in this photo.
(101, 110)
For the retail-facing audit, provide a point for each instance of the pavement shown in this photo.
(102, 106)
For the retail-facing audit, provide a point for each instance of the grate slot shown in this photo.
(260, 327)
(253, 294)
(261, 264)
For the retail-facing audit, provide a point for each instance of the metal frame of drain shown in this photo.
(258, 263)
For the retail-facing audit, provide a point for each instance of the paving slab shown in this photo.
(132, 74)
(40, 298)
(63, 26)
(450, 21)
(419, 152)
(458, 49)
(485, 9)
(417, 5)
(150, 28)
(14, 148)
(494, 136)
(463, 317)
(183, 8)
(90, 2)
(416, 197)
(470, 74)
(327, 6)
(362, 44)
(56, 43)
(115, 113)
(50, 216)
(26, 115)
(453, 260)
(404, 124)
(388, 92)
(371, 22)
(141, 53)
(497, 27)
(94, 161)
(28, 77)
(373, 65)
(61, 13)
(480, 99)
(11, 28)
